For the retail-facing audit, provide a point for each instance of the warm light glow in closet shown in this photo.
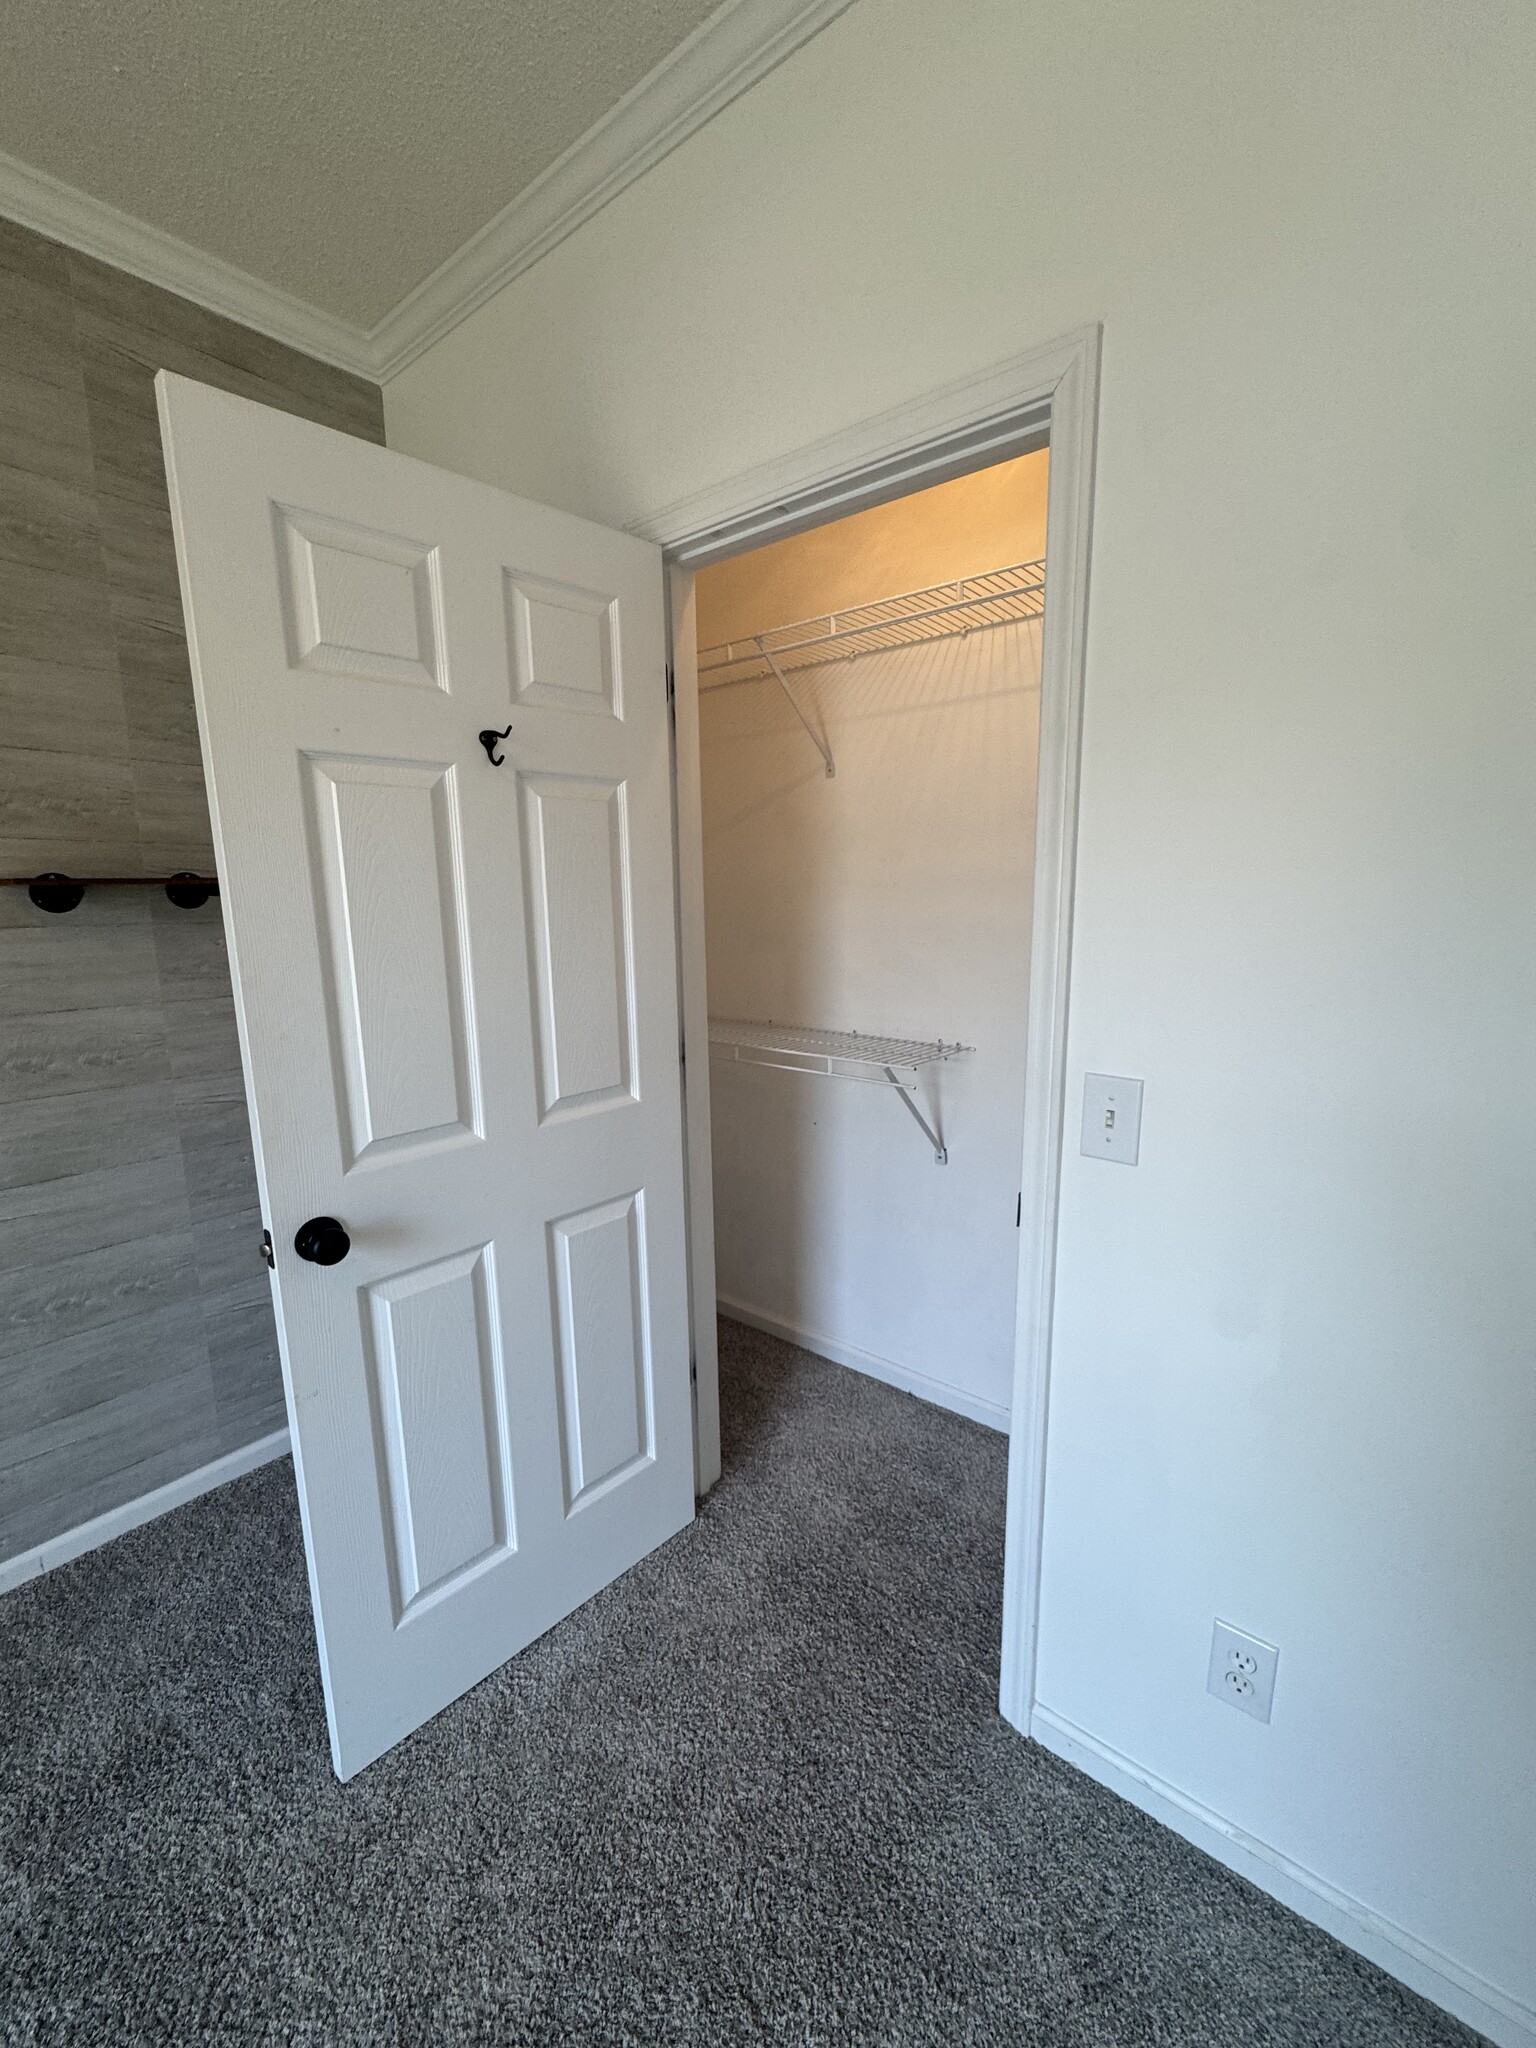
(872, 924)
(961, 528)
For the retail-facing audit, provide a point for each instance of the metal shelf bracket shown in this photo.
(940, 1149)
(842, 1055)
(816, 739)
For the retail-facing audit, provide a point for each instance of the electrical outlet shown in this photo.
(1242, 1670)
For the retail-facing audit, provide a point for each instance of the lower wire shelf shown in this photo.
(843, 1055)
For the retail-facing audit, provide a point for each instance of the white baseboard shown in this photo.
(73, 1543)
(1424, 1969)
(940, 1392)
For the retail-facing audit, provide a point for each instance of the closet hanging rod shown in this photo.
(940, 611)
(58, 892)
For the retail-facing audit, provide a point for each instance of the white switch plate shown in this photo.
(1111, 1118)
(1242, 1670)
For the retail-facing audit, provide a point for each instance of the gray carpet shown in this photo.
(756, 1792)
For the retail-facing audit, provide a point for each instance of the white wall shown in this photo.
(892, 898)
(1295, 1373)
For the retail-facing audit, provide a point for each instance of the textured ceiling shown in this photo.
(336, 149)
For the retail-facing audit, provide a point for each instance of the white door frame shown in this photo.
(693, 1017)
(1046, 394)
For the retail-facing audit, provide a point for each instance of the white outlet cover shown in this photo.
(1111, 1118)
(1242, 1670)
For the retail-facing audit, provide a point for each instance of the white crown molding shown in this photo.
(68, 215)
(740, 43)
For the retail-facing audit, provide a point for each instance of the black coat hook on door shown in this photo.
(488, 740)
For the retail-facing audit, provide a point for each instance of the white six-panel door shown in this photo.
(456, 985)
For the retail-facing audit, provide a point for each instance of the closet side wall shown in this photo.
(893, 898)
(136, 1332)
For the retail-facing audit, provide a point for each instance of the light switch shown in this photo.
(1111, 1118)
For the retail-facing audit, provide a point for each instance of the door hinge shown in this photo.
(266, 1251)
(671, 683)
(1018, 1211)
(693, 1375)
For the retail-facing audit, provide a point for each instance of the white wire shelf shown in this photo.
(803, 1051)
(997, 598)
(842, 1055)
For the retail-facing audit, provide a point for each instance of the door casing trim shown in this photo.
(1045, 395)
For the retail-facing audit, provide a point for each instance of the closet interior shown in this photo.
(868, 727)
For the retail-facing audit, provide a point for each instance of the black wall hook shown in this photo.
(57, 893)
(189, 891)
(488, 740)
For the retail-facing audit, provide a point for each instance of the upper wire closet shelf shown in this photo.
(943, 610)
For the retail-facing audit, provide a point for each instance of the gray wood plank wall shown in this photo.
(136, 1334)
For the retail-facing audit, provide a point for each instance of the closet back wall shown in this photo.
(893, 898)
(136, 1334)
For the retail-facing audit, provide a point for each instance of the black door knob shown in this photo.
(322, 1240)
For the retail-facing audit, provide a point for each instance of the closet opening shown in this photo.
(868, 721)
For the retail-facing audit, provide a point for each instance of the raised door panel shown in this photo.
(576, 843)
(360, 603)
(564, 645)
(598, 1260)
(388, 886)
(440, 1415)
